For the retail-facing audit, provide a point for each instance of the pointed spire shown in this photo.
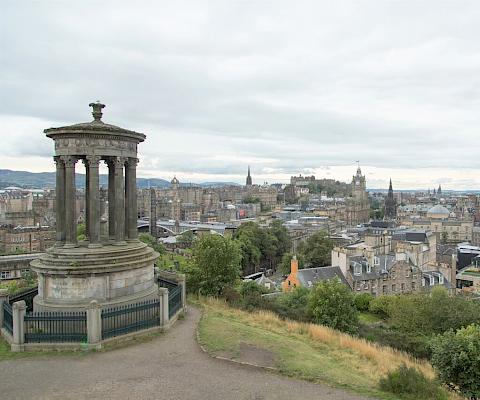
(390, 188)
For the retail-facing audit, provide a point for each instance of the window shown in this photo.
(440, 279)
(4, 274)
(403, 287)
(394, 288)
(376, 261)
(432, 280)
(369, 268)
(423, 282)
(358, 269)
(384, 288)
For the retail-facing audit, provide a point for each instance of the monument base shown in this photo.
(69, 279)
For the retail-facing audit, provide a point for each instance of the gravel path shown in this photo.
(171, 366)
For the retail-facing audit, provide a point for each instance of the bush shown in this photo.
(409, 383)
(382, 306)
(456, 357)
(331, 303)
(362, 301)
(251, 295)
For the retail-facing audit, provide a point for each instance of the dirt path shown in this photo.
(171, 366)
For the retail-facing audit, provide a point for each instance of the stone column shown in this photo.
(111, 199)
(182, 282)
(93, 201)
(18, 314)
(119, 202)
(163, 295)
(131, 199)
(86, 202)
(3, 299)
(70, 202)
(60, 201)
(94, 324)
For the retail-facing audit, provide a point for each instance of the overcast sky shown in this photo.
(287, 87)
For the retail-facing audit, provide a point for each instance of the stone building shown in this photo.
(115, 269)
(358, 205)
(390, 204)
(443, 224)
(25, 239)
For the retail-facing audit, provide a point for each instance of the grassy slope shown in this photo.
(307, 351)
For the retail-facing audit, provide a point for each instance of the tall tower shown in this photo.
(117, 269)
(390, 204)
(358, 205)
(249, 178)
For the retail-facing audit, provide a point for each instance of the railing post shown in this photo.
(94, 325)
(181, 282)
(3, 299)
(19, 309)
(163, 295)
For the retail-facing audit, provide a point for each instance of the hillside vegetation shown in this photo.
(304, 350)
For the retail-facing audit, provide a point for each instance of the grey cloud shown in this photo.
(287, 89)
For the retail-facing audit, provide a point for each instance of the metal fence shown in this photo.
(174, 300)
(120, 320)
(26, 295)
(55, 327)
(7, 317)
(174, 295)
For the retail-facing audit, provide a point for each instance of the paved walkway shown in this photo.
(171, 366)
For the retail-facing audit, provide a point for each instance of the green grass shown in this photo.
(166, 261)
(368, 318)
(6, 354)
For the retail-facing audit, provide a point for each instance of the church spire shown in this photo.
(249, 178)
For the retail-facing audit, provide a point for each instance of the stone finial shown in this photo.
(97, 110)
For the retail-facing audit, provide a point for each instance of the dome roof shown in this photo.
(97, 126)
(438, 210)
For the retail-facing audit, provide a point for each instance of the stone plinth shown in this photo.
(70, 278)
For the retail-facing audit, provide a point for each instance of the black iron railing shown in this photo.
(55, 327)
(7, 317)
(26, 295)
(121, 320)
(174, 300)
(167, 284)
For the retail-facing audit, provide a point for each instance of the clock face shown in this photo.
(357, 183)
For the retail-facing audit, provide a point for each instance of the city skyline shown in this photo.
(306, 89)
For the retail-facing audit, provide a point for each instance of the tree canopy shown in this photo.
(316, 250)
(215, 266)
(331, 303)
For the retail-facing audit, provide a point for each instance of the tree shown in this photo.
(150, 241)
(331, 303)
(216, 265)
(444, 237)
(456, 357)
(186, 238)
(81, 232)
(283, 241)
(317, 249)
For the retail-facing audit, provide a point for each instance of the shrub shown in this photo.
(362, 301)
(409, 383)
(331, 303)
(251, 294)
(382, 306)
(456, 357)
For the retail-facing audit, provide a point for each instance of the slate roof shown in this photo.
(309, 276)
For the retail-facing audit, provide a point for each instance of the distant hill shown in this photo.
(40, 180)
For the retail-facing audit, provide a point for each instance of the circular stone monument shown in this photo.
(114, 270)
